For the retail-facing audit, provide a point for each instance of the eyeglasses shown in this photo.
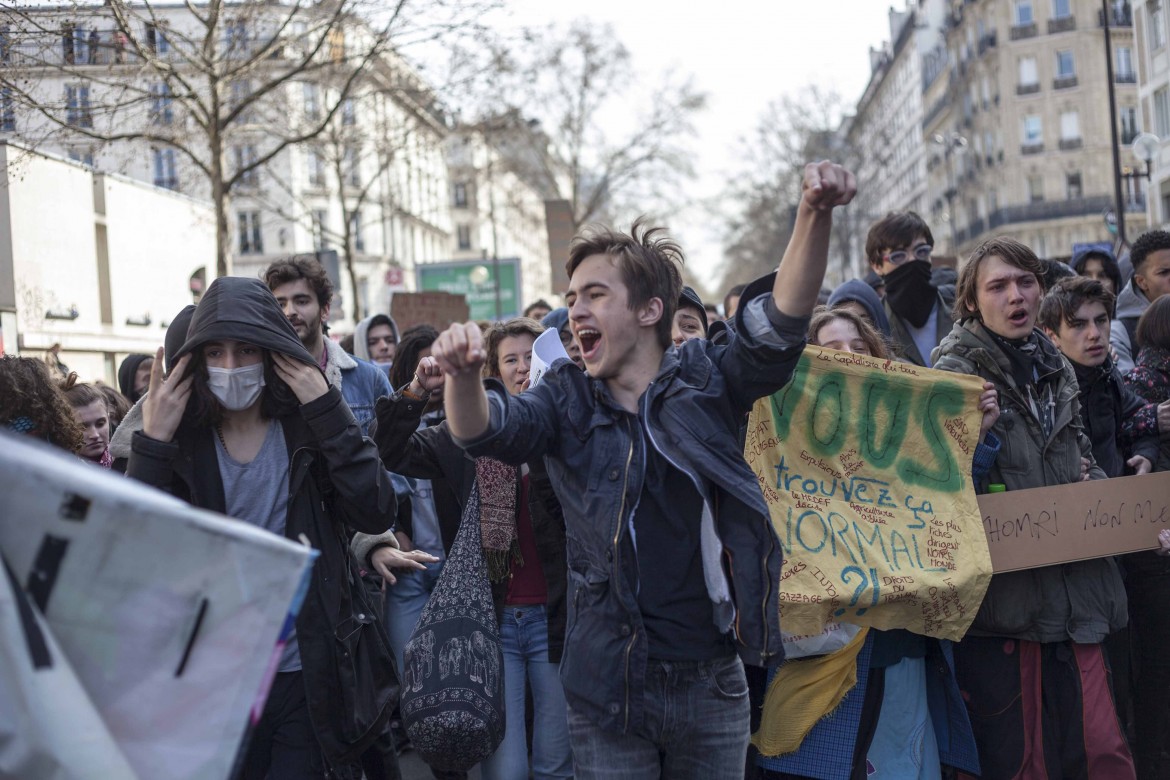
(920, 252)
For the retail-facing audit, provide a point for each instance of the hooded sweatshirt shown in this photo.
(859, 291)
(360, 347)
(1131, 302)
(243, 310)
(126, 373)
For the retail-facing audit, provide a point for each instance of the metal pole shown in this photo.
(1119, 204)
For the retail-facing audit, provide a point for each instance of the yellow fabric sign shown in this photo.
(866, 468)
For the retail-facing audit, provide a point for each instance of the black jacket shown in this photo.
(1114, 419)
(432, 454)
(336, 483)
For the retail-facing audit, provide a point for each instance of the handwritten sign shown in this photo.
(439, 309)
(1045, 526)
(866, 468)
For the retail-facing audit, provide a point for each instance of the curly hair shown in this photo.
(518, 326)
(28, 390)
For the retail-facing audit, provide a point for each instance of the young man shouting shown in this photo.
(664, 519)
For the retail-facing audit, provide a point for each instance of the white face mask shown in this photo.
(236, 388)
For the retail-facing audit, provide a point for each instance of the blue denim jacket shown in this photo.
(595, 454)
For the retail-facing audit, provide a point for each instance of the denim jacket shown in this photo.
(595, 454)
(361, 383)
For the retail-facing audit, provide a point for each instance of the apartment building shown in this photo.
(1153, 70)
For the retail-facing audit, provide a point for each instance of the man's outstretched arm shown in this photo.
(459, 351)
(802, 271)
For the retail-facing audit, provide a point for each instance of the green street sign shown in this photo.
(475, 280)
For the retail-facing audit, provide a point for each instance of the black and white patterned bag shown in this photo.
(453, 675)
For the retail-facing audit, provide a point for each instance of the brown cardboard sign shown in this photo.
(438, 309)
(1027, 529)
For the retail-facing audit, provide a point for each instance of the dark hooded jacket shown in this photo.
(126, 373)
(336, 483)
(1117, 420)
(859, 291)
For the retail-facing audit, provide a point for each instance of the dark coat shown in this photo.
(1118, 421)
(432, 454)
(336, 482)
(1085, 600)
(593, 449)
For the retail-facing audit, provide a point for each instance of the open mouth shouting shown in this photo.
(1019, 318)
(590, 340)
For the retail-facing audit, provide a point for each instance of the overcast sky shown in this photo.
(744, 54)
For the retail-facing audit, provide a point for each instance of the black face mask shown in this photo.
(910, 293)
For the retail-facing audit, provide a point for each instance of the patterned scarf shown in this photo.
(499, 491)
(107, 459)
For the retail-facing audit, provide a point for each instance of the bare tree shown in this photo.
(198, 79)
(764, 193)
(592, 150)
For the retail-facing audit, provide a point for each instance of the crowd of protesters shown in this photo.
(614, 491)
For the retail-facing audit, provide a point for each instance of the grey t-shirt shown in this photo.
(257, 493)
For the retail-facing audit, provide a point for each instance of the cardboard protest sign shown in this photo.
(168, 615)
(1044, 526)
(866, 468)
(440, 309)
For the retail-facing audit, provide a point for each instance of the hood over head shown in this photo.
(557, 318)
(1131, 301)
(360, 348)
(859, 291)
(245, 310)
(126, 373)
(177, 334)
(691, 300)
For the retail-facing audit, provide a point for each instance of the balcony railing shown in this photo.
(111, 48)
(1068, 144)
(1125, 78)
(1031, 212)
(1118, 17)
(1063, 24)
(1028, 89)
(1064, 82)
(1022, 31)
(1035, 148)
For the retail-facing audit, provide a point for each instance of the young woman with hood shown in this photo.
(246, 425)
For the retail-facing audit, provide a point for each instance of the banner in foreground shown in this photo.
(168, 615)
(866, 468)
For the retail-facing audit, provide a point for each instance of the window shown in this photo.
(156, 40)
(463, 234)
(1162, 112)
(1061, 9)
(83, 156)
(251, 240)
(77, 108)
(352, 165)
(161, 112)
(1070, 126)
(1129, 124)
(1065, 67)
(316, 165)
(1024, 13)
(1072, 186)
(1033, 131)
(244, 156)
(235, 36)
(312, 101)
(240, 94)
(1035, 189)
(1156, 29)
(320, 220)
(355, 231)
(1125, 64)
(164, 169)
(460, 195)
(1028, 73)
(348, 112)
(7, 111)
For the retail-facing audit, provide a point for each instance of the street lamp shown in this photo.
(1145, 149)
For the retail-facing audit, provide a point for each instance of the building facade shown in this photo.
(110, 283)
(1153, 69)
(1018, 124)
(316, 160)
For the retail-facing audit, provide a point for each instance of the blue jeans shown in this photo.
(404, 603)
(524, 634)
(696, 726)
